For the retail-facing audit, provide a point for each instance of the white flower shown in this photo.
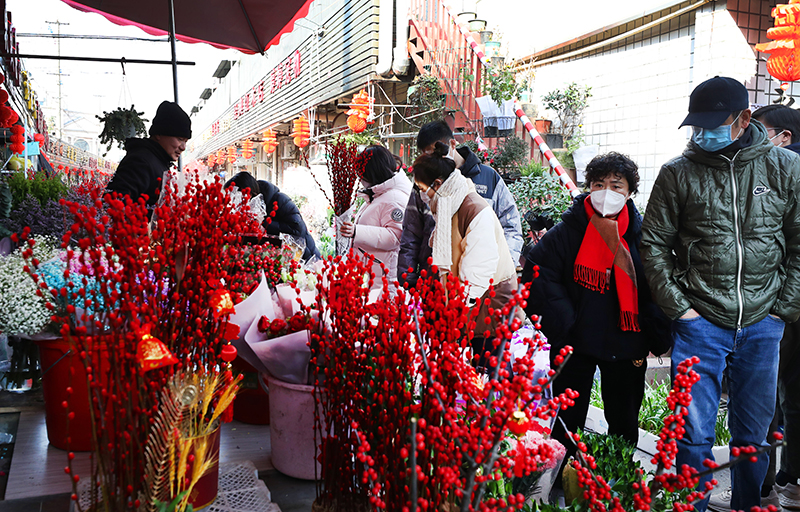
(22, 312)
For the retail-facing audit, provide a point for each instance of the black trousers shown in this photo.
(787, 411)
(622, 386)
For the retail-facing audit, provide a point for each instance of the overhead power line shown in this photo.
(81, 36)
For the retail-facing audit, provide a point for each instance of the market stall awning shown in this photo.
(250, 26)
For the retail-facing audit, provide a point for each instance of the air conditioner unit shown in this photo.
(287, 149)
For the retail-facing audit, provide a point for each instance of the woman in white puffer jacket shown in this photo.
(378, 224)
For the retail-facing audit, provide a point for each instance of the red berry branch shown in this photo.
(598, 493)
(125, 287)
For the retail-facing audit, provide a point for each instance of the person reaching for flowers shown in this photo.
(468, 240)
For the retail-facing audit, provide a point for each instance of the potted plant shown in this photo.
(120, 124)
(486, 36)
(569, 105)
(476, 25)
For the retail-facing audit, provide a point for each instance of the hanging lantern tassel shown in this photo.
(784, 49)
(301, 132)
(270, 141)
(358, 115)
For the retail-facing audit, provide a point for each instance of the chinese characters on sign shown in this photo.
(281, 75)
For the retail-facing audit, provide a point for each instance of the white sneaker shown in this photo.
(788, 495)
(721, 501)
(772, 499)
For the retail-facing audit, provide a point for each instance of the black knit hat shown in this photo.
(171, 121)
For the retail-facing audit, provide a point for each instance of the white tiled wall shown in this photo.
(640, 89)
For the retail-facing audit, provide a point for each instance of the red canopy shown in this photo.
(250, 26)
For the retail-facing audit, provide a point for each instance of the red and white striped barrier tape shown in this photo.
(543, 147)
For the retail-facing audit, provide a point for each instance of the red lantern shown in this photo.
(3, 96)
(301, 132)
(358, 115)
(270, 140)
(228, 353)
(221, 156)
(784, 49)
(211, 160)
(356, 123)
(247, 149)
(232, 154)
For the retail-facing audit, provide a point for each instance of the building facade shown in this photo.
(642, 71)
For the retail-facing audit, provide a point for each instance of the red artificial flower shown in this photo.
(298, 323)
(263, 324)
(277, 327)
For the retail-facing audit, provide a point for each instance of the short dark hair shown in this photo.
(602, 166)
(244, 180)
(780, 117)
(433, 132)
(428, 168)
(380, 164)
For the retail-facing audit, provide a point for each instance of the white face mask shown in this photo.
(607, 202)
(425, 197)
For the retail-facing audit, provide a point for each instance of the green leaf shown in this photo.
(5, 200)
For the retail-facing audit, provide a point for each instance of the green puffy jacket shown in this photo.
(722, 235)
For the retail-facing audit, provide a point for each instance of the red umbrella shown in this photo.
(250, 26)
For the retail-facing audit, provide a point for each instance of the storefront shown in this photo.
(314, 71)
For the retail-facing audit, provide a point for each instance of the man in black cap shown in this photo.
(721, 252)
(143, 167)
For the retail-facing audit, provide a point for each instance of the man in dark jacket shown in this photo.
(418, 221)
(721, 250)
(287, 218)
(141, 170)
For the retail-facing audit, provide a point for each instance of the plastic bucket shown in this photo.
(251, 404)
(291, 428)
(62, 368)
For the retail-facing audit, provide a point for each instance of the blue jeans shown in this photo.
(749, 359)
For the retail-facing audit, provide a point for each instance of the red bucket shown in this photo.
(62, 368)
(252, 402)
(206, 489)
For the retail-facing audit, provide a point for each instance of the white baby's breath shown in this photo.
(22, 312)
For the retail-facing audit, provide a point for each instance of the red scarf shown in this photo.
(603, 248)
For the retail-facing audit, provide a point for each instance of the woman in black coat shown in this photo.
(591, 294)
(287, 217)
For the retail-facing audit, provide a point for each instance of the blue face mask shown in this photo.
(714, 139)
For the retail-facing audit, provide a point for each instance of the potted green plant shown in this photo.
(120, 124)
(427, 100)
(569, 105)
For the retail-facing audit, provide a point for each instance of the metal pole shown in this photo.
(172, 46)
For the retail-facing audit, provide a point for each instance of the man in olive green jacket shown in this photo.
(721, 252)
